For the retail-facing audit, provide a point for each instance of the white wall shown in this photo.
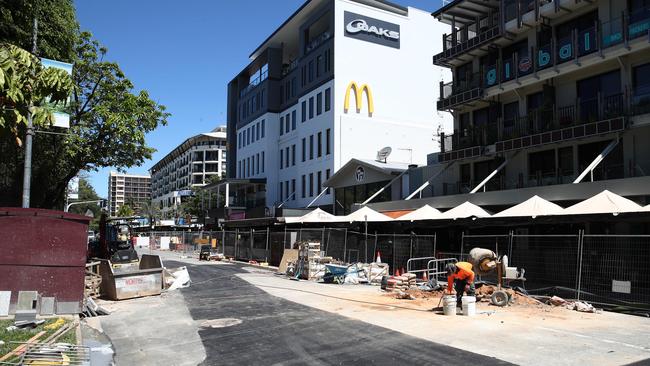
(404, 84)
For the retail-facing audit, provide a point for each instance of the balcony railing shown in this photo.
(460, 91)
(464, 40)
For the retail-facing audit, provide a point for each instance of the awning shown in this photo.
(533, 207)
(425, 212)
(603, 203)
(316, 215)
(365, 214)
(464, 210)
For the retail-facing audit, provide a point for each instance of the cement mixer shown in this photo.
(485, 262)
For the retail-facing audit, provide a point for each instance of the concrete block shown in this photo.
(27, 300)
(47, 306)
(5, 299)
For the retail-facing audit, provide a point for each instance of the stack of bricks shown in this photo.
(401, 283)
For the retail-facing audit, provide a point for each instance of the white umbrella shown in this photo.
(534, 206)
(318, 215)
(464, 210)
(603, 203)
(646, 208)
(366, 214)
(425, 212)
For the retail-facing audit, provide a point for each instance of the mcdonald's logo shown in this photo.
(358, 97)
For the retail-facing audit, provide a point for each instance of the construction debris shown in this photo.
(175, 278)
(91, 309)
(580, 306)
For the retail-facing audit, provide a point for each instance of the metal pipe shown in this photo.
(426, 184)
(386, 186)
(317, 197)
(27, 172)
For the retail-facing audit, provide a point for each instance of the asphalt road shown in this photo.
(274, 331)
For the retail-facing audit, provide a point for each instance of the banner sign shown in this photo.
(61, 118)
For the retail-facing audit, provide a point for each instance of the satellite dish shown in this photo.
(383, 154)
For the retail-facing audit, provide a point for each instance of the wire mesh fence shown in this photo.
(599, 268)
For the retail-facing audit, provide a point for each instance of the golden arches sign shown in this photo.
(358, 96)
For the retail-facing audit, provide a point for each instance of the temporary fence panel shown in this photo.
(613, 269)
(335, 243)
(260, 246)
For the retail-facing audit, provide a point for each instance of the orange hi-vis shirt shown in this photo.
(464, 272)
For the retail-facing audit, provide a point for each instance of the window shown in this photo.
(328, 60)
(311, 147)
(319, 104)
(293, 155)
(293, 120)
(320, 144)
(319, 181)
(286, 190)
(641, 88)
(287, 122)
(319, 65)
(293, 189)
(304, 186)
(327, 141)
(311, 184)
(303, 80)
(304, 110)
(311, 107)
(239, 140)
(239, 169)
(541, 164)
(262, 161)
(327, 177)
(287, 156)
(304, 149)
(248, 167)
(263, 127)
(257, 163)
(262, 99)
(257, 131)
(328, 99)
(244, 138)
(281, 158)
(281, 191)
(253, 165)
(311, 71)
(565, 161)
(281, 126)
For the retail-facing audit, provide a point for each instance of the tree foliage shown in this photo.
(125, 211)
(24, 86)
(57, 26)
(87, 193)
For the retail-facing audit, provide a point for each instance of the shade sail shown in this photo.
(532, 207)
(316, 215)
(603, 203)
(425, 212)
(366, 213)
(464, 210)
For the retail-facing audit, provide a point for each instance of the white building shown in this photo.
(134, 190)
(193, 163)
(338, 80)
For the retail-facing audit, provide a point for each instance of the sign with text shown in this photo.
(371, 30)
(61, 117)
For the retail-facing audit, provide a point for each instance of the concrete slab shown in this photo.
(47, 306)
(154, 330)
(5, 300)
(27, 300)
(541, 336)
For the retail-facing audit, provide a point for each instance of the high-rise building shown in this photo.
(337, 80)
(549, 98)
(128, 189)
(194, 163)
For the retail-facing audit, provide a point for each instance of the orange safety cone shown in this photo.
(378, 257)
(397, 274)
(424, 277)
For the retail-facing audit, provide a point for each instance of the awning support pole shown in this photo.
(487, 179)
(428, 182)
(386, 186)
(597, 160)
(317, 197)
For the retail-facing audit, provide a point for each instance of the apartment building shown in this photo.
(194, 163)
(134, 190)
(337, 80)
(548, 97)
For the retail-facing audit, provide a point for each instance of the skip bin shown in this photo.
(129, 280)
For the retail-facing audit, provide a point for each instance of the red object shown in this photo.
(44, 251)
(397, 272)
(424, 276)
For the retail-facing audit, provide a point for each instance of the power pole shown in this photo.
(27, 174)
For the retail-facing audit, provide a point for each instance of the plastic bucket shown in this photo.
(449, 305)
(469, 305)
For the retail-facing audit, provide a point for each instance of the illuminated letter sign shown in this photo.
(491, 77)
(358, 97)
(371, 30)
(566, 51)
(543, 58)
(525, 64)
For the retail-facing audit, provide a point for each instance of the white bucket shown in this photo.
(449, 305)
(469, 305)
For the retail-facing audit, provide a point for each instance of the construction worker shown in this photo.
(461, 277)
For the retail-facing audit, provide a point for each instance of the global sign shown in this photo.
(371, 30)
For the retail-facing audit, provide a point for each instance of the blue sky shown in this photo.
(184, 54)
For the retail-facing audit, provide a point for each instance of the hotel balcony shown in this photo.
(584, 118)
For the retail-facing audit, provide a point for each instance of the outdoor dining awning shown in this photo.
(464, 210)
(425, 212)
(603, 203)
(365, 214)
(532, 207)
(314, 216)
